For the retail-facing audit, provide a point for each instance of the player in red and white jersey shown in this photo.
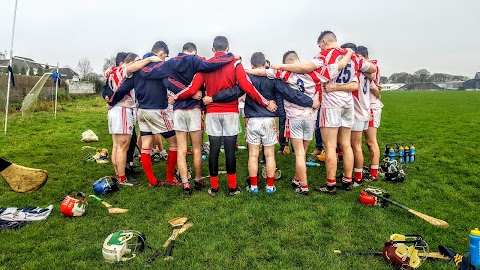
(361, 100)
(121, 117)
(374, 122)
(300, 120)
(336, 117)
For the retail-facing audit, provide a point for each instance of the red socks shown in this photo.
(147, 166)
(331, 182)
(374, 171)
(253, 180)
(358, 174)
(232, 180)
(270, 181)
(122, 178)
(171, 164)
(214, 181)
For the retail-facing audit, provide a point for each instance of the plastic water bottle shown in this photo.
(412, 153)
(475, 247)
(391, 154)
(204, 158)
(401, 152)
(407, 154)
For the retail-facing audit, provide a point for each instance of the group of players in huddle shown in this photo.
(337, 92)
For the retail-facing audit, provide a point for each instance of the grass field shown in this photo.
(283, 231)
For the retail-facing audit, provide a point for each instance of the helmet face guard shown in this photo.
(206, 148)
(399, 254)
(122, 246)
(392, 171)
(74, 205)
(105, 185)
(370, 200)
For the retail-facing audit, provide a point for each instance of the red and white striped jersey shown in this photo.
(361, 97)
(307, 83)
(115, 77)
(327, 63)
(375, 103)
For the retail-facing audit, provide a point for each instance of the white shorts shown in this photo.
(360, 125)
(300, 129)
(375, 117)
(261, 131)
(188, 120)
(121, 120)
(222, 124)
(155, 120)
(336, 117)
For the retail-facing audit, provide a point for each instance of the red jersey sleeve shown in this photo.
(197, 82)
(247, 86)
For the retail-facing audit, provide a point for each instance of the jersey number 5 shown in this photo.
(345, 74)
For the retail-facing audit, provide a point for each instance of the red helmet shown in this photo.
(370, 200)
(73, 205)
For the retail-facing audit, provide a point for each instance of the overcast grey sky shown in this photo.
(441, 36)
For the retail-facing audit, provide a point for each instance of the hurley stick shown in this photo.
(22, 179)
(111, 209)
(434, 221)
(430, 255)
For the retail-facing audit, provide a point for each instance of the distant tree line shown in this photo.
(421, 76)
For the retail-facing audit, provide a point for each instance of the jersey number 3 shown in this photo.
(345, 75)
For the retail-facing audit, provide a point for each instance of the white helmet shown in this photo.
(123, 245)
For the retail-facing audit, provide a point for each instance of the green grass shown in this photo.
(283, 231)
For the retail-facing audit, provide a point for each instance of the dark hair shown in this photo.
(257, 59)
(267, 61)
(326, 35)
(220, 43)
(130, 58)
(189, 47)
(351, 46)
(287, 54)
(120, 58)
(363, 51)
(160, 46)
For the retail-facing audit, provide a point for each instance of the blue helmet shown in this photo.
(104, 186)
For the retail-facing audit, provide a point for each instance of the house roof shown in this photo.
(67, 73)
(21, 62)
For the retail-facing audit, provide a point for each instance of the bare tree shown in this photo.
(108, 63)
(84, 67)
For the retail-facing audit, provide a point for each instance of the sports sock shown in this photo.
(331, 182)
(358, 174)
(346, 180)
(374, 171)
(295, 181)
(253, 180)
(304, 186)
(232, 180)
(270, 181)
(214, 181)
(147, 166)
(171, 164)
(122, 178)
